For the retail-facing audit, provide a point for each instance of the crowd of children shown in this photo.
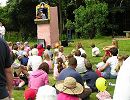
(32, 64)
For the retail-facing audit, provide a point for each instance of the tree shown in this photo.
(22, 15)
(91, 18)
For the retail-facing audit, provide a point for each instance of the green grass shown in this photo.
(100, 42)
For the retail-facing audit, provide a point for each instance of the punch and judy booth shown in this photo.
(47, 24)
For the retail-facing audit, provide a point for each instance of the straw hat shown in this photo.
(69, 86)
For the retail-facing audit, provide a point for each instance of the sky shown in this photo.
(3, 2)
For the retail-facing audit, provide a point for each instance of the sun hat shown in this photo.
(29, 93)
(69, 86)
(46, 92)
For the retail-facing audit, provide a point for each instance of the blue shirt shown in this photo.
(70, 72)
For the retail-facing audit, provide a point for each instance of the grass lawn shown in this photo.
(124, 48)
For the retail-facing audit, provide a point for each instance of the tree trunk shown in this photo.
(60, 16)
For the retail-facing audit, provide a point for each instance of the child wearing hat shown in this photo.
(68, 89)
(29, 94)
(46, 92)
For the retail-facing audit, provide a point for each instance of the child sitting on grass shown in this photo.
(90, 77)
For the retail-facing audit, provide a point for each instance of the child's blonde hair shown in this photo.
(120, 62)
(115, 43)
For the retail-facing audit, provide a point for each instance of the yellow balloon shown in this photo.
(101, 84)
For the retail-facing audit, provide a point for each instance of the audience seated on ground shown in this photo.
(70, 71)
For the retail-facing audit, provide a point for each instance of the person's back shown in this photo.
(34, 61)
(80, 64)
(113, 62)
(90, 77)
(6, 77)
(38, 78)
(95, 50)
(70, 72)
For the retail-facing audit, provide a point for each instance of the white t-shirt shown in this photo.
(82, 50)
(2, 30)
(122, 88)
(80, 64)
(113, 62)
(34, 62)
(95, 51)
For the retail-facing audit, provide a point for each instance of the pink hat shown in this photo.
(30, 93)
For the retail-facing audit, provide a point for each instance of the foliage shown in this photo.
(90, 20)
(69, 24)
(22, 15)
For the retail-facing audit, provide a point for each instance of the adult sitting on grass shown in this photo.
(34, 61)
(68, 89)
(71, 72)
(107, 48)
(111, 63)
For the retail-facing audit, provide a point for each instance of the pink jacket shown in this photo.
(64, 96)
(38, 78)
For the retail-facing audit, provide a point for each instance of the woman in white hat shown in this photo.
(68, 89)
